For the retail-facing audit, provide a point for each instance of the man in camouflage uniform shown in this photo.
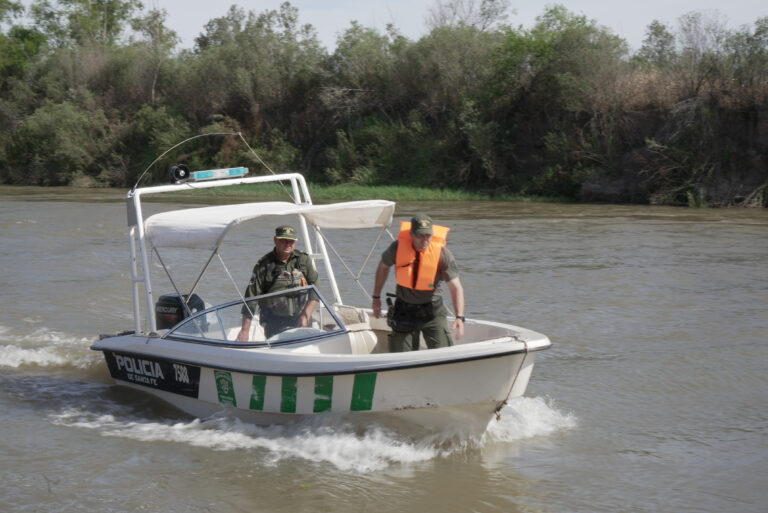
(419, 307)
(282, 268)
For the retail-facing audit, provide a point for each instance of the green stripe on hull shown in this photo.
(258, 387)
(323, 393)
(362, 392)
(288, 396)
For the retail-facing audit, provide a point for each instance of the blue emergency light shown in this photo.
(217, 174)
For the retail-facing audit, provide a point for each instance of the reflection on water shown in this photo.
(653, 397)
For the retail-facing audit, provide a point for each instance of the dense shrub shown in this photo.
(557, 109)
(56, 145)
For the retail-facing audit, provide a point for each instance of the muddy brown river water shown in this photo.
(653, 398)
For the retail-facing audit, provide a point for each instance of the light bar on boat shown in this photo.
(217, 174)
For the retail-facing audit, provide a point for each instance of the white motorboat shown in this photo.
(186, 353)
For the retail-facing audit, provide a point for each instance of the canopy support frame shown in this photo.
(141, 245)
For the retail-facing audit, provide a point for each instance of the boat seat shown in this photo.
(351, 317)
(362, 339)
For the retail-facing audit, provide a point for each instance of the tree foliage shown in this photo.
(92, 90)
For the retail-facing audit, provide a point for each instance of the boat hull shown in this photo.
(462, 389)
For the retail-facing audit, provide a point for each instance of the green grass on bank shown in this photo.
(326, 193)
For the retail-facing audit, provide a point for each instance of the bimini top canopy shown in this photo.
(206, 227)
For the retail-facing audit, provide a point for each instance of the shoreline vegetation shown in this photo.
(272, 192)
(325, 192)
(477, 108)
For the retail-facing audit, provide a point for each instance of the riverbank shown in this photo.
(323, 193)
(319, 192)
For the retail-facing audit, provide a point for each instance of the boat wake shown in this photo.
(323, 440)
(44, 347)
(528, 417)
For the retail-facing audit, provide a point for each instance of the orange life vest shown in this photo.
(428, 259)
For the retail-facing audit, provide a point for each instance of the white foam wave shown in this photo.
(26, 221)
(45, 348)
(14, 356)
(527, 417)
(338, 445)
(321, 441)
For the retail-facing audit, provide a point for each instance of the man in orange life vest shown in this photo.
(422, 263)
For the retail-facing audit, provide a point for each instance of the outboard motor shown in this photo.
(169, 309)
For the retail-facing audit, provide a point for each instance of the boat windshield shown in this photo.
(271, 318)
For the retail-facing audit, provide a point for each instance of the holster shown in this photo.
(402, 317)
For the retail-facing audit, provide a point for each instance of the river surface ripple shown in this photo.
(653, 398)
